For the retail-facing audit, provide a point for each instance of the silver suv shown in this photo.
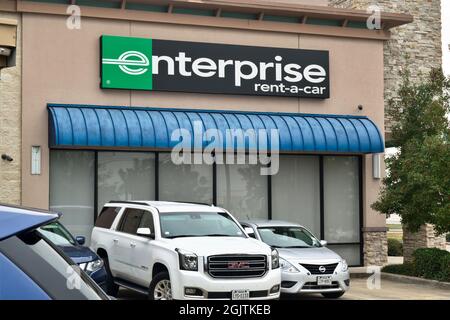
(307, 266)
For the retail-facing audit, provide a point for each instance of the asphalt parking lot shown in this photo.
(390, 290)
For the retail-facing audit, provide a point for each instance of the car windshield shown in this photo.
(198, 224)
(288, 237)
(57, 234)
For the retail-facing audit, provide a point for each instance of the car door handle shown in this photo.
(132, 244)
(115, 240)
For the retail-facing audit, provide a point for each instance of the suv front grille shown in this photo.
(237, 266)
(316, 268)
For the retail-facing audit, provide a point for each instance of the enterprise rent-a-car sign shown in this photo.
(160, 65)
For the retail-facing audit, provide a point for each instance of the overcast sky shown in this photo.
(446, 35)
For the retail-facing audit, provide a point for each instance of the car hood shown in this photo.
(309, 255)
(206, 246)
(79, 254)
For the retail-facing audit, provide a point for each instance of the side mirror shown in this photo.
(145, 232)
(323, 243)
(249, 230)
(80, 240)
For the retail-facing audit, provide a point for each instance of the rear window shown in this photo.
(107, 217)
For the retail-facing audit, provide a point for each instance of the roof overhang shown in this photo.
(119, 9)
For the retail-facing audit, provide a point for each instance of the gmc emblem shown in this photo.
(238, 265)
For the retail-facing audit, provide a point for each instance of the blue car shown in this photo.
(32, 267)
(73, 247)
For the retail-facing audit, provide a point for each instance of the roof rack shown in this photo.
(146, 204)
(193, 202)
(130, 202)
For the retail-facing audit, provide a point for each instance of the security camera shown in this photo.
(6, 157)
(5, 51)
(360, 107)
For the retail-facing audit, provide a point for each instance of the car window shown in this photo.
(147, 221)
(57, 234)
(107, 217)
(131, 220)
(49, 268)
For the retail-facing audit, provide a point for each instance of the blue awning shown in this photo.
(107, 127)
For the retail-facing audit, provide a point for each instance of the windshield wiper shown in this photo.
(219, 235)
(296, 247)
(183, 236)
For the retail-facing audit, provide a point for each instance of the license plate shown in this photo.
(324, 280)
(240, 294)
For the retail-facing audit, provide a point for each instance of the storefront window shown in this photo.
(350, 252)
(184, 182)
(242, 190)
(296, 192)
(125, 176)
(72, 189)
(341, 199)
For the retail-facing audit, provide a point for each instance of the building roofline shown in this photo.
(301, 16)
(388, 20)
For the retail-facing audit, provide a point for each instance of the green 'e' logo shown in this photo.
(126, 63)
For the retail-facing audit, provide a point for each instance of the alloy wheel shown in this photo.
(163, 290)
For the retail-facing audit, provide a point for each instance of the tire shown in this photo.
(333, 295)
(111, 287)
(160, 288)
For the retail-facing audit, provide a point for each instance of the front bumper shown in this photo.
(303, 283)
(221, 288)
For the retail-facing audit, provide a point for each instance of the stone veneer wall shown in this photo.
(10, 125)
(375, 248)
(420, 40)
(415, 47)
(424, 238)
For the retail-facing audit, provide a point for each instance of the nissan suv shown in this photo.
(172, 250)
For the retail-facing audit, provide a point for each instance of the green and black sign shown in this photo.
(161, 65)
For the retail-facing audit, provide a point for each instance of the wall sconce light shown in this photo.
(36, 160)
(7, 158)
(376, 165)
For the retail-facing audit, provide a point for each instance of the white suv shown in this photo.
(172, 250)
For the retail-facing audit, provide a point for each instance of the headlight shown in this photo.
(94, 265)
(188, 260)
(275, 259)
(344, 265)
(287, 266)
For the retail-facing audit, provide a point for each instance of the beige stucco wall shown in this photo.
(62, 66)
(10, 124)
